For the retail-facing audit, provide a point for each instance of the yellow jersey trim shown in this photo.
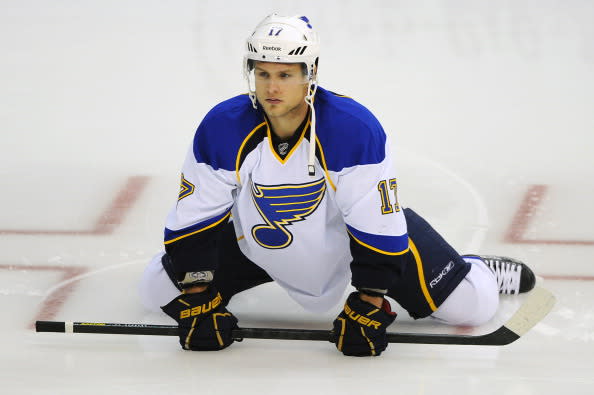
(199, 230)
(377, 249)
(421, 274)
(323, 157)
(281, 160)
(254, 130)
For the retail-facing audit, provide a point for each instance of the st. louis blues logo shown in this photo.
(280, 206)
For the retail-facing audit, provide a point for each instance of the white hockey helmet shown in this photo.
(283, 39)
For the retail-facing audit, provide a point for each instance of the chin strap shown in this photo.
(252, 96)
(309, 99)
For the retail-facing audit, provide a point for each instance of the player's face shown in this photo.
(281, 89)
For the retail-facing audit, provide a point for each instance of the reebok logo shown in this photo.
(441, 274)
(267, 48)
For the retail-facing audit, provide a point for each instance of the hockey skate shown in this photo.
(513, 276)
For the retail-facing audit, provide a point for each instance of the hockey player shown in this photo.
(294, 184)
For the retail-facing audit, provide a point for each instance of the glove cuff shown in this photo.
(192, 279)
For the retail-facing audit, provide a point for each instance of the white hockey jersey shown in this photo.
(301, 230)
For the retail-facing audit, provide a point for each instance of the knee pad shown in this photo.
(156, 288)
(442, 267)
(430, 244)
(474, 301)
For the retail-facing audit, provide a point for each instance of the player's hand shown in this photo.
(360, 329)
(204, 323)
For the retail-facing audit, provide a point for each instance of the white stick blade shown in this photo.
(538, 304)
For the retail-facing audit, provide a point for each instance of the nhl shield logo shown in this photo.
(283, 148)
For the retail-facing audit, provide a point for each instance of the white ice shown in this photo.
(483, 100)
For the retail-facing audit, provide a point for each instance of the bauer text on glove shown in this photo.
(360, 329)
(204, 323)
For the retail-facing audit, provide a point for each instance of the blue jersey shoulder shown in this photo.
(222, 131)
(349, 133)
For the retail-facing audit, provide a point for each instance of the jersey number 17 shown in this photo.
(384, 187)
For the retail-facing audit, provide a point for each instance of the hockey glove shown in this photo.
(360, 329)
(204, 323)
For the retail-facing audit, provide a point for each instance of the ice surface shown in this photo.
(482, 101)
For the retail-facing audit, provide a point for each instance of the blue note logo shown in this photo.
(281, 206)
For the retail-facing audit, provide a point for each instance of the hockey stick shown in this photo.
(536, 306)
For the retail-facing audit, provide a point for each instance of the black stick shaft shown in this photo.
(500, 337)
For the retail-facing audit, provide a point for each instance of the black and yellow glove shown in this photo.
(204, 323)
(360, 329)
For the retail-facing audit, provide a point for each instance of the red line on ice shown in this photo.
(108, 220)
(54, 302)
(566, 277)
(527, 210)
